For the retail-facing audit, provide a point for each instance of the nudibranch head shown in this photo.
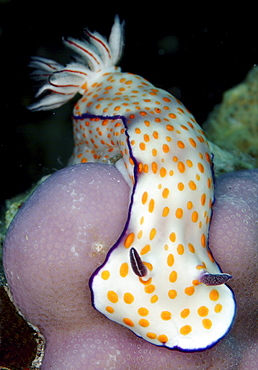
(160, 279)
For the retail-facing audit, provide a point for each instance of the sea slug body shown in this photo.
(160, 279)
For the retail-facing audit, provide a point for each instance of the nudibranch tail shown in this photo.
(160, 279)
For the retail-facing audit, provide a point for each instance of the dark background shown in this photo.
(210, 49)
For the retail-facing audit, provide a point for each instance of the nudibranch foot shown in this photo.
(150, 281)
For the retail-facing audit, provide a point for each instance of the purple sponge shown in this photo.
(62, 234)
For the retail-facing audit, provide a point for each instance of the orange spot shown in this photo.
(124, 269)
(172, 237)
(154, 152)
(165, 148)
(191, 248)
(129, 240)
(173, 277)
(128, 322)
(145, 249)
(203, 240)
(131, 161)
(155, 134)
(180, 144)
(153, 233)
(194, 216)
(207, 323)
(163, 172)
(154, 299)
(169, 127)
(166, 315)
(196, 282)
(154, 167)
(140, 167)
(166, 100)
(189, 205)
(144, 282)
(200, 167)
(110, 309)
(151, 335)
(181, 167)
(151, 205)
(208, 158)
(172, 293)
(210, 256)
(203, 199)
(185, 330)
(170, 260)
(144, 197)
(144, 323)
(146, 138)
(143, 113)
(112, 296)
(203, 311)
(105, 275)
(172, 115)
(179, 213)
(185, 313)
(165, 193)
(143, 311)
(165, 211)
(162, 338)
(192, 185)
(149, 288)
(200, 267)
(145, 168)
(189, 163)
(189, 290)
(180, 186)
(139, 235)
(218, 308)
(128, 298)
(192, 142)
(214, 295)
(142, 146)
(180, 249)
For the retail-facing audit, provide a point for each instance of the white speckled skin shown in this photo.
(167, 162)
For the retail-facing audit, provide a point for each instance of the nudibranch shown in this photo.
(160, 279)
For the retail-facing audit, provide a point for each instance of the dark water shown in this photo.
(194, 52)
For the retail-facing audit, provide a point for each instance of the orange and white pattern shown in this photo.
(160, 279)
